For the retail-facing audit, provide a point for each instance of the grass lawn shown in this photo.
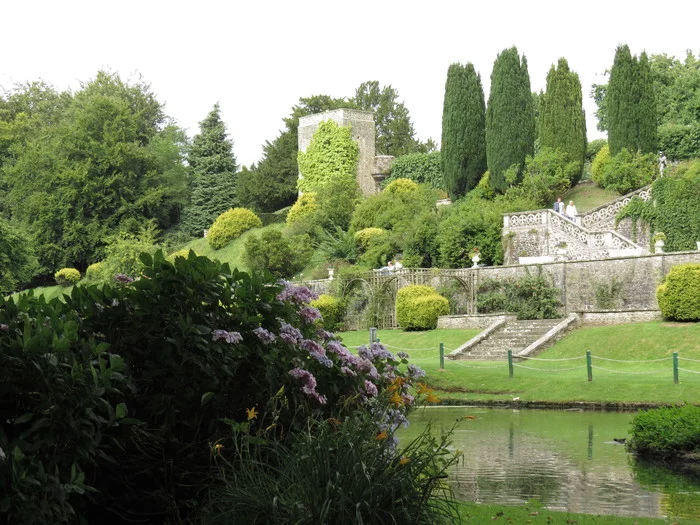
(642, 381)
(587, 196)
(534, 513)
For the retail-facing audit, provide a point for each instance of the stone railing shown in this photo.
(604, 216)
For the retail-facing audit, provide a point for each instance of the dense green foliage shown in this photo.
(166, 377)
(463, 144)
(283, 257)
(423, 168)
(600, 162)
(418, 307)
(213, 175)
(679, 293)
(230, 225)
(475, 222)
(66, 276)
(547, 176)
(331, 155)
(365, 237)
(625, 171)
(332, 311)
(631, 104)
(510, 121)
(17, 261)
(394, 129)
(674, 208)
(529, 297)
(562, 122)
(81, 167)
(666, 432)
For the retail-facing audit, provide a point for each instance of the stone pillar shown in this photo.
(362, 130)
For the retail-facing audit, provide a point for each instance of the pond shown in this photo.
(568, 460)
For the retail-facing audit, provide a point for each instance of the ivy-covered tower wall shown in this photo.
(362, 130)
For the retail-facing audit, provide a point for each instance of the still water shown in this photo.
(567, 460)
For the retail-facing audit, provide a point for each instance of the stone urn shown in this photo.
(331, 271)
(475, 259)
(659, 246)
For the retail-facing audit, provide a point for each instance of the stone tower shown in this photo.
(370, 169)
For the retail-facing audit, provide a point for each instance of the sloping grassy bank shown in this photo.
(632, 366)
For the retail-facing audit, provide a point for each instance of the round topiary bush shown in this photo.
(679, 293)
(184, 253)
(366, 236)
(231, 224)
(303, 208)
(95, 272)
(332, 310)
(401, 186)
(418, 307)
(67, 276)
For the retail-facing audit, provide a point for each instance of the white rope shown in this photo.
(542, 359)
(631, 361)
(459, 363)
(408, 349)
(549, 369)
(686, 359)
(631, 373)
(689, 371)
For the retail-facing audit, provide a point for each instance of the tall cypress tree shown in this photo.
(510, 121)
(213, 173)
(630, 104)
(562, 122)
(463, 130)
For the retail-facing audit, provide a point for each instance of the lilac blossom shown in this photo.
(325, 335)
(347, 372)
(308, 384)
(264, 335)
(123, 278)
(309, 314)
(375, 351)
(415, 371)
(230, 337)
(290, 334)
(371, 388)
(402, 355)
(296, 294)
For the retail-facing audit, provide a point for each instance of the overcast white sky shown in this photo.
(258, 57)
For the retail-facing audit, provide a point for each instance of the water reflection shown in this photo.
(567, 460)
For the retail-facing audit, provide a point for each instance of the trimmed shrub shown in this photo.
(95, 272)
(679, 293)
(332, 310)
(600, 161)
(401, 186)
(184, 253)
(418, 307)
(303, 208)
(666, 432)
(230, 225)
(67, 276)
(277, 254)
(367, 236)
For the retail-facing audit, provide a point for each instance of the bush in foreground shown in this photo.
(666, 432)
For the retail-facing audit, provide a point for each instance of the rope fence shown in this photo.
(589, 366)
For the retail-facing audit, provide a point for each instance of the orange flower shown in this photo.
(424, 389)
(218, 447)
(404, 460)
(396, 399)
(382, 435)
(432, 398)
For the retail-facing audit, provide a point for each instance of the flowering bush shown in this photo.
(197, 350)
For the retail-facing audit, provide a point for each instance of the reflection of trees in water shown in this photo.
(679, 483)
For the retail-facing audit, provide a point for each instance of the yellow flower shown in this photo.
(252, 414)
(396, 399)
(404, 460)
(432, 398)
(424, 389)
(382, 435)
(218, 447)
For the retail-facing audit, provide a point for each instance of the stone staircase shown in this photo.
(521, 337)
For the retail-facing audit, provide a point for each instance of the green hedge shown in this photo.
(67, 276)
(418, 307)
(679, 293)
(230, 225)
(332, 310)
(665, 432)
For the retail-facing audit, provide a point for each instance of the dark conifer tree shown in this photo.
(213, 174)
(630, 103)
(463, 130)
(562, 122)
(510, 121)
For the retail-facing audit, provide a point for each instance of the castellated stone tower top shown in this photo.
(361, 123)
